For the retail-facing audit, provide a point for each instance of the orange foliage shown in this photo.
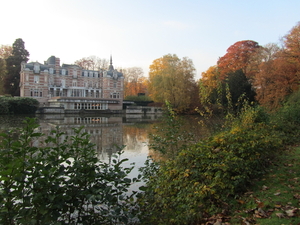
(134, 81)
(239, 56)
(5, 51)
(275, 81)
(280, 76)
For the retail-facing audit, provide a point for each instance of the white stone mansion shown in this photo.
(72, 87)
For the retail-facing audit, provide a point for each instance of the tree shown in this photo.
(279, 72)
(13, 65)
(292, 47)
(2, 75)
(134, 81)
(239, 56)
(171, 79)
(92, 63)
(209, 85)
(5, 51)
(240, 88)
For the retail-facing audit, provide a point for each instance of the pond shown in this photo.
(108, 132)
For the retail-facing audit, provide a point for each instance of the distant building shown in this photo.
(72, 87)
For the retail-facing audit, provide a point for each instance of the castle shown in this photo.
(71, 87)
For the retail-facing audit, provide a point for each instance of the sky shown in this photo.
(136, 32)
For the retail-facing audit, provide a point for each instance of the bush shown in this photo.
(202, 179)
(18, 105)
(142, 98)
(61, 183)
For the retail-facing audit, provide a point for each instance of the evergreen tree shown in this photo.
(13, 66)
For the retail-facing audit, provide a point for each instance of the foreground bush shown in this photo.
(61, 183)
(202, 179)
(18, 105)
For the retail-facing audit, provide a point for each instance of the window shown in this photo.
(91, 74)
(36, 93)
(36, 79)
(63, 83)
(63, 72)
(85, 73)
(115, 84)
(74, 83)
(114, 95)
(36, 68)
(75, 73)
(51, 70)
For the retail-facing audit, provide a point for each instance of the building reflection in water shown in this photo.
(105, 132)
(108, 133)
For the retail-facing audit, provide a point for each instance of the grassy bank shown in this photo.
(273, 199)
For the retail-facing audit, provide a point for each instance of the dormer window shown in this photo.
(63, 72)
(91, 74)
(51, 71)
(36, 68)
(75, 73)
(85, 73)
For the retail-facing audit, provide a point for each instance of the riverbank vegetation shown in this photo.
(59, 180)
(207, 178)
(18, 105)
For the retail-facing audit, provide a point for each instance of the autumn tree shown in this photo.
(225, 93)
(13, 65)
(239, 56)
(5, 51)
(279, 72)
(291, 51)
(93, 63)
(209, 84)
(134, 81)
(171, 79)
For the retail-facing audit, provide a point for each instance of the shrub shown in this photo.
(18, 105)
(138, 98)
(203, 178)
(61, 183)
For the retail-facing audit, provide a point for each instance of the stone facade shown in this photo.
(72, 87)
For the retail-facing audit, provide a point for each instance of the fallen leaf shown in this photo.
(280, 215)
(264, 188)
(297, 196)
(261, 213)
(291, 212)
(277, 193)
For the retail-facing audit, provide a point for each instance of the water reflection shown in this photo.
(107, 132)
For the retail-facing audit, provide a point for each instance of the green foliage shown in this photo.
(168, 138)
(61, 183)
(18, 105)
(202, 179)
(13, 66)
(143, 98)
(229, 94)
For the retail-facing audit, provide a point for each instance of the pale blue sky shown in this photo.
(136, 32)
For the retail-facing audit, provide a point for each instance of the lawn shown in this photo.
(275, 198)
